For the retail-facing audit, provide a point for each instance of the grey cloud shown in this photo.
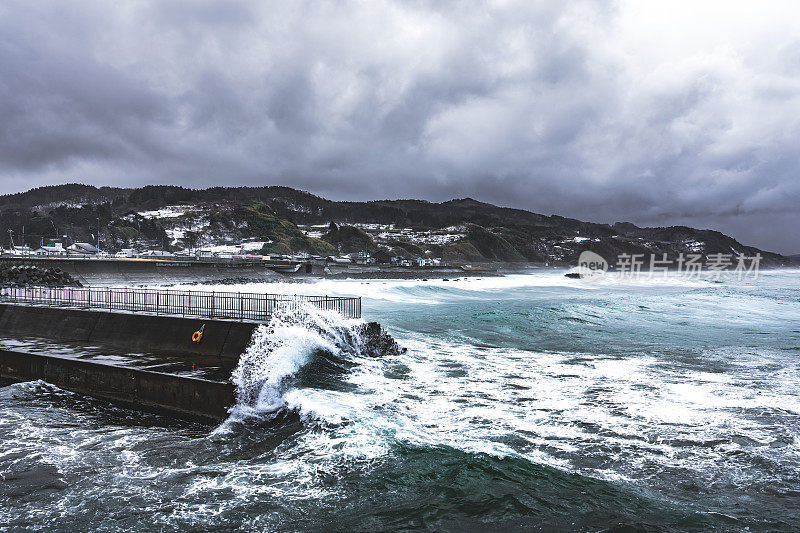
(537, 105)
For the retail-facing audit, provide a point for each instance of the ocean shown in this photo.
(524, 402)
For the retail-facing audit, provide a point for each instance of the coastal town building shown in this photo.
(18, 250)
(82, 249)
(338, 260)
(54, 249)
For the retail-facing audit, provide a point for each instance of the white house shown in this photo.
(428, 262)
(56, 248)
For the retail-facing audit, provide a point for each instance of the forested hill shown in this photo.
(462, 230)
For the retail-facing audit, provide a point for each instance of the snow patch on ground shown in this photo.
(179, 230)
(170, 211)
(291, 206)
(695, 246)
(382, 233)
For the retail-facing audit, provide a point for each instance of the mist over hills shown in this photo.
(288, 220)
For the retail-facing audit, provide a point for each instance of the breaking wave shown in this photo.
(280, 353)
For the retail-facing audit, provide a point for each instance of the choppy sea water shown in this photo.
(523, 402)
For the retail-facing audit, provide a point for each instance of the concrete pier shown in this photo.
(165, 351)
(141, 361)
(223, 339)
(180, 396)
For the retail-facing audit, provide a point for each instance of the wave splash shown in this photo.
(279, 350)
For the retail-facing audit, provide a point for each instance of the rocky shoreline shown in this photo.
(377, 341)
(27, 275)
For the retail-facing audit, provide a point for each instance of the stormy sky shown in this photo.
(679, 112)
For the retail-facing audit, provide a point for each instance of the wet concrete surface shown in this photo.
(198, 366)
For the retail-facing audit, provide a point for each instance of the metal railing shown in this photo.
(231, 305)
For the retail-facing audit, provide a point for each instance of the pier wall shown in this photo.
(225, 339)
(157, 366)
(180, 396)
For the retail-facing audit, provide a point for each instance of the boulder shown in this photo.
(377, 342)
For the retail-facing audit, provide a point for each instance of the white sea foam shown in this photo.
(433, 291)
(279, 349)
(578, 412)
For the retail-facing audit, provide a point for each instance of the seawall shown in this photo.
(225, 339)
(115, 271)
(180, 396)
(142, 339)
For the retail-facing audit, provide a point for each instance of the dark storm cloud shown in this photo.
(598, 110)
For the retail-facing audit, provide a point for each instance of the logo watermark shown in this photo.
(592, 266)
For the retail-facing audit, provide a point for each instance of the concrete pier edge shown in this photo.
(186, 397)
(178, 396)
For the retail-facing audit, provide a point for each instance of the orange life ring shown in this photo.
(198, 335)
